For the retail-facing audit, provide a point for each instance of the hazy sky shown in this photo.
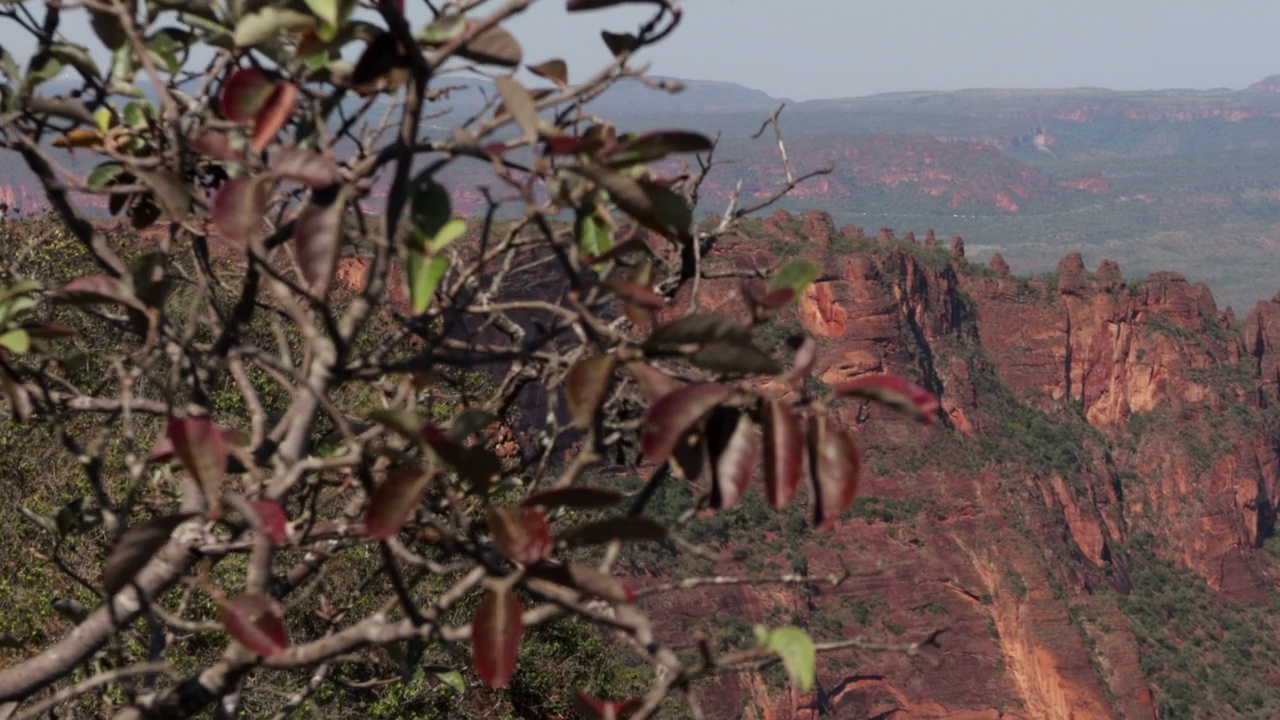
(805, 49)
(832, 48)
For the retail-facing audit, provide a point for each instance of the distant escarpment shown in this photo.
(1089, 524)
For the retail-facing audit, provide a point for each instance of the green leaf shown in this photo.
(795, 648)
(452, 679)
(797, 275)
(470, 422)
(519, 103)
(42, 521)
(594, 236)
(259, 27)
(123, 66)
(41, 68)
(429, 206)
(424, 274)
(18, 289)
(78, 516)
(401, 422)
(9, 66)
(326, 10)
(76, 56)
(167, 43)
(451, 231)
(103, 117)
(16, 340)
(443, 29)
(106, 25)
(554, 70)
(70, 609)
(655, 206)
(494, 46)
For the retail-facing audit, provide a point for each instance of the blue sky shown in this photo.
(805, 49)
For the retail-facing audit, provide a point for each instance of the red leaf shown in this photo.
(802, 362)
(834, 465)
(478, 466)
(585, 387)
(895, 392)
(239, 206)
(202, 450)
(273, 116)
(670, 417)
(570, 145)
(162, 451)
(521, 533)
(317, 239)
(245, 93)
(586, 498)
(256, 621)
(136, 548)
(782, 452)
(635, 293)
(273, 519)
(49, 330)
(737, 358)
(98, 288)
(653, 382)
(593, 709)
(216, 145)
(394, 501)
(586, 580)
(495, 636)
(735, 452)
(658, 144)
(767, 301)
(625, 529)
(700, 329)
(654, 206)
(308, 167)
(631, 245)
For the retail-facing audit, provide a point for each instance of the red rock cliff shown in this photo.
(1079, 411)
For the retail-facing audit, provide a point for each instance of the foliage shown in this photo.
(320, 435)
(1206, 656)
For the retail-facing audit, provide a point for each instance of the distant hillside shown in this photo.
(1187, 180)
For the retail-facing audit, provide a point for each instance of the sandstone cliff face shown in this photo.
(1015, 540)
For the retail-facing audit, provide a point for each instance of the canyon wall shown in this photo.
(1084, 417)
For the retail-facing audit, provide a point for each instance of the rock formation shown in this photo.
(1080, 416)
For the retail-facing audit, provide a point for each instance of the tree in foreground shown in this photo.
(315, 432)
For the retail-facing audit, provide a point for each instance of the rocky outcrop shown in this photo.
(1020, 553)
